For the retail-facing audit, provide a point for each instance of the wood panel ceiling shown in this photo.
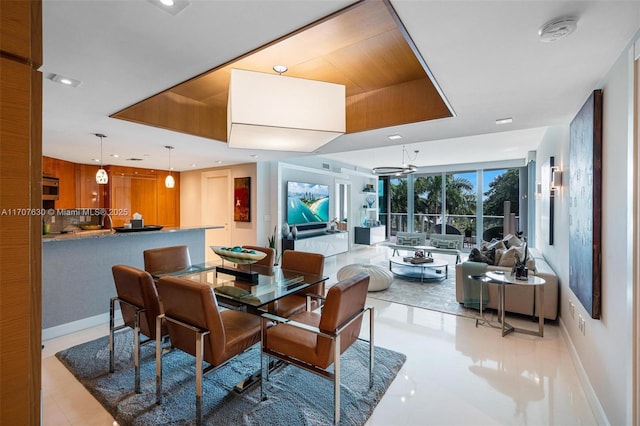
(364, 47)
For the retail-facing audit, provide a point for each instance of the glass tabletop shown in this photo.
(273, 283)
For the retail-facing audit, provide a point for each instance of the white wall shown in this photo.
(604, 351)
(191, 205)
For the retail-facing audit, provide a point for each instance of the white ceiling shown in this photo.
(485, 55)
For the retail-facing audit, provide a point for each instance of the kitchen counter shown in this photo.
(100, 233)
(77, 282)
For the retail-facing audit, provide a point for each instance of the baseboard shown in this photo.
(592, 398)
(72, 327)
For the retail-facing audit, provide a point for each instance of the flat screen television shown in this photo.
(307, 203)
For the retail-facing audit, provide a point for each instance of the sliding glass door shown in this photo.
(470, 203)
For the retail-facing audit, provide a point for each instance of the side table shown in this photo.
(508, 279)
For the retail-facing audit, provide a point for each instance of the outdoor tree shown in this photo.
(504, 187)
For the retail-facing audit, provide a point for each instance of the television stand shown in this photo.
(326, 243)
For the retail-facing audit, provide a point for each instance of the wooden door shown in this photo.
(216, 210)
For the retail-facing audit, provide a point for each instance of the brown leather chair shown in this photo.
(314, 341)
(166, 259)
(139, 305)
(197, 327)
(263, 266)
(269, 260)
(305, 263)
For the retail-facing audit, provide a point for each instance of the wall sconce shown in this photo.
(556, 178)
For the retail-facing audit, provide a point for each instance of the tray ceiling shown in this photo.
(364, 47)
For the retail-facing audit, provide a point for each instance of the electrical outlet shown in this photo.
(53, 219)
(581, 324)
(572, 310)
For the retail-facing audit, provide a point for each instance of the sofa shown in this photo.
(519, 299)
(438, 243)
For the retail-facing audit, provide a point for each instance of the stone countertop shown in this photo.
(107, 233)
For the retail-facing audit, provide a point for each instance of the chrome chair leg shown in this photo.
(159, 359)
(264, 372)
(336, 381)
(136, 350)
(371, 345)
(111, 334)
(199, 357)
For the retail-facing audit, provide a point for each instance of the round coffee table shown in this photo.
(424, 271)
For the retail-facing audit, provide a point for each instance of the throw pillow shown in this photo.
(498, 255)
(497, 244)
(512, 241)
(408, 240)
(476, 256)
(509, 256)
(438, 243)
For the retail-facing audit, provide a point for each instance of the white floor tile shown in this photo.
(455, 374)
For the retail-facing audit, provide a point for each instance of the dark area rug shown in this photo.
(295, 397)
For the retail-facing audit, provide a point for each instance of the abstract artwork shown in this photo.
(585, 201)
(242, 199)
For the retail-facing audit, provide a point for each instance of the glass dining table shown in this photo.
(235, 293)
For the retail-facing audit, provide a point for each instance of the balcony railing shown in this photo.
(427, 222)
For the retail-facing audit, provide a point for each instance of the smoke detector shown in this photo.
(556, 29)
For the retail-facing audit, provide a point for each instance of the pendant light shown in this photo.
(169, 181)
(102, 178)
(402, 170)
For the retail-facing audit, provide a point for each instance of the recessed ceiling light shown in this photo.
(254, 155)
(114, 155)
(394, 137)
(97, 160)
(556, 29)
(219, 162)
(67, 81)
(194, 165)
(280, 68)
(134, 159)
(506, 120)
(172, 7)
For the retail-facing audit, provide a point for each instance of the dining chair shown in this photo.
(305, 263)
(265, 265)
(269, 260)
(196, 326)
(163, 260)
(139, 304)
(314, 341)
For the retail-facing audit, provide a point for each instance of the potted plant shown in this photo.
(272, 242)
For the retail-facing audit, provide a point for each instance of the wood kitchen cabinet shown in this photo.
(67, 174)
(168, 200)
(130, 190)
(133, 189)
(89, 195)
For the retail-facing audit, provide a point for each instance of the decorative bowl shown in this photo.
(239, 257)
(90, 227)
